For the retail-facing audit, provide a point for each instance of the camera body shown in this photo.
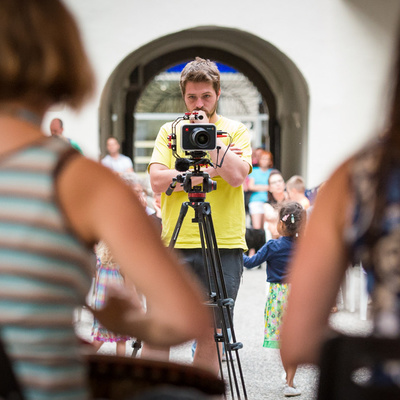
(198, 137)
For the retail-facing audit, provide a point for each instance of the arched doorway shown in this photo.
(276, 77)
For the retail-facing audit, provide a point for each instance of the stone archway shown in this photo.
(276, 77)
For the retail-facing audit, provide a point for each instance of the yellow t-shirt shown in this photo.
(227, 202)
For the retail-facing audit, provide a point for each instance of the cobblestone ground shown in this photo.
(261, 367)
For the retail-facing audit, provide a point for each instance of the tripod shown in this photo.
(218, 297)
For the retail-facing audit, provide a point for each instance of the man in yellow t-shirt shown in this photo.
(200, 86)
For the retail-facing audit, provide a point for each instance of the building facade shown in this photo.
(321, 68)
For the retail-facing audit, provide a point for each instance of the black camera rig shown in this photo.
(196, 140)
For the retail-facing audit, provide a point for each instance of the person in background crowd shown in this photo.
(57, 129)
(157, 208)
(256, 154)
(114, 159)
(258, 185)
(107, 273)
(276, 196)
(295, 188)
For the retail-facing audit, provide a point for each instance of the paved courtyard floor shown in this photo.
(261, 367)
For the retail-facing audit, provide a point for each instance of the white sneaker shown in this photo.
(290, 391)
(283, 377)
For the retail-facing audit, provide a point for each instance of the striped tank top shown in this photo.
(45, 272)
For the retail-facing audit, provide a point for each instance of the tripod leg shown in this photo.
(224, 303)
(178, 226)
(136, 346)
(215, 348)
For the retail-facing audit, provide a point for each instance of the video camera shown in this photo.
(196, 140)
(195, 137)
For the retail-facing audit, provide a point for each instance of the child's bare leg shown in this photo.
(154, 353)
(257, 221)
(97, 344)
(290, 373)
(121, 348)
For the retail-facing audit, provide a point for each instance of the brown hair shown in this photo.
(271, 198)
(200, 70)
(389, 157)
(42, 55)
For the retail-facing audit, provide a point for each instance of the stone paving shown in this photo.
(261, 367)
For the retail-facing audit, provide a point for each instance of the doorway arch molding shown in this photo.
(275, 75)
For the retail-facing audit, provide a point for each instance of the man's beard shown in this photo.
(209, 114)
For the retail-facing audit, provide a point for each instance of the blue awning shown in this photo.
(222, 68)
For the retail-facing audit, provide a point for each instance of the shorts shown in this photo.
(232, 269)
(256, 207)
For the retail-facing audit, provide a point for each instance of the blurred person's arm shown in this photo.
(100, 206)
(256, 188)
(271, 218)
(129, 166)
(317, 271)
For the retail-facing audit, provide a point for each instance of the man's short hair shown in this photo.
(200, 70)
(113, 137)
(296, 182)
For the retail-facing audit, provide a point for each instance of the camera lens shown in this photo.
(200, 137)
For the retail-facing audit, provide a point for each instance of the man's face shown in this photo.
(55, 128)
(112, 146)
(201, 96)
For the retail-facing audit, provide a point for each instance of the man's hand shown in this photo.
(195, 120)
(237, 150)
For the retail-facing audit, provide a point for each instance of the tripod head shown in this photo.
(196, 193)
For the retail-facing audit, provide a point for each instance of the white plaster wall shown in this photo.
(342, 47)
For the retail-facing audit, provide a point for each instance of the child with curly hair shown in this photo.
(277, 254)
